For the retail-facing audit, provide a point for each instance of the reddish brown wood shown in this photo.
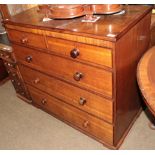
(66, 11)
(152, 30)
(127, 96)
(106, 8)
(98, 30)
(61, 11)
(74, 116)
(12, 69)
(3, 72)
(146, 78)
(95, 104)
(88, 68)
(27, 38)
(66, 69)
(5, 12)
(101, 56)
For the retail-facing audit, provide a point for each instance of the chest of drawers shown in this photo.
(84, 73)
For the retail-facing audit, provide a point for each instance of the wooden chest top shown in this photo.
(108, 27)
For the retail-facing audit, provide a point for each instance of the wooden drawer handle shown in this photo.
(86, 124)
(28, 59)
(77, 76)
(24, 40)
(44, 101)
(82, 101)
(37, 80)
(74, 53)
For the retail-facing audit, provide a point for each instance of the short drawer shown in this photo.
(79, 51)
(25, 38)
(97, 128)
(86, 76)
(80, 98)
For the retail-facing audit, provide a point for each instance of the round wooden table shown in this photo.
(146, 79)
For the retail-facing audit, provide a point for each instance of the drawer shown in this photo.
(26, 38)
(97, 128)
(80, 74)
(80, 98)
(79, 51)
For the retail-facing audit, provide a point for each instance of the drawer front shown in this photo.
(85, 76)
(79, 51)
(96, 127)
(26, 38)
(80, 98)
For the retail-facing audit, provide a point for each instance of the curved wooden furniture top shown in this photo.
(146, 78)
(67, 11)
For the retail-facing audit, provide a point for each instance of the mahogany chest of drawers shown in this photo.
(84, 73)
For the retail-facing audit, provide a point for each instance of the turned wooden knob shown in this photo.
(44, 101)
(37, 80)
(24, 40)
(82, 101)
(86, 124)
(77, 76)
(28, 59)
(74, 53)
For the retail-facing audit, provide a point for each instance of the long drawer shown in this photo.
(80, 74)
(80, 98)
(79, 51)
(87, 123)
(25, 38)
